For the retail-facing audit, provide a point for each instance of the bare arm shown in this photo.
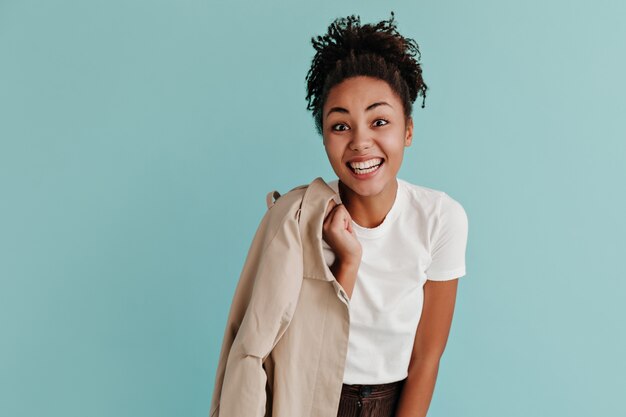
(430, 341)
(345, 273)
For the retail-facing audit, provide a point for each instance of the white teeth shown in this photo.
(366, 167)
(366, 164)
(365, 171)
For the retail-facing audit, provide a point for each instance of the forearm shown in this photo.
(345, 273)
(418, 389)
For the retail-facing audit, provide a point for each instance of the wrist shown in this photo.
(347, 264)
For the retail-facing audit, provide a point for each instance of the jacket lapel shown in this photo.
(314, 203)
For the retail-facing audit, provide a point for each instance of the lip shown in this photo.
(364, 158)
(369, 174)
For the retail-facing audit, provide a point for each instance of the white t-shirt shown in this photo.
(423, 236)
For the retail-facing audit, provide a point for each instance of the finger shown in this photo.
(343, 217)
(338, 221)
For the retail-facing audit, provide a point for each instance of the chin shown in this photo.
(364, 189)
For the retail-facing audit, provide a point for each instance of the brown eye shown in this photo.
(338, 130)
(381, 120)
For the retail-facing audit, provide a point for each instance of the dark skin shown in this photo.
(370, 204)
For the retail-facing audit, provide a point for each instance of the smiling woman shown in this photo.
(396, 248)
(392, 251)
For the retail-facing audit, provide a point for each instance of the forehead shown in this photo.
(361, 91)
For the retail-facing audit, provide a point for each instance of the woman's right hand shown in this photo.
(338, 233)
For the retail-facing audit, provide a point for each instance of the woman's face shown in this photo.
(363, 121)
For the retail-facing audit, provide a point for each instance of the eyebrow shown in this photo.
(370, 107)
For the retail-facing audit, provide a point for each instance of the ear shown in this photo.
(408, 138)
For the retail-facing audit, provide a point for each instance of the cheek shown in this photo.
(333, 151)
(393, 144)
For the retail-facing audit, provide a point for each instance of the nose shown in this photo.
(360, 141)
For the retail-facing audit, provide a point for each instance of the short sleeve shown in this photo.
(449, 241)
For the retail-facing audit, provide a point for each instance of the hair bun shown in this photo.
(378, 50)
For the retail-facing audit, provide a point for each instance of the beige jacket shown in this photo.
(286, 338)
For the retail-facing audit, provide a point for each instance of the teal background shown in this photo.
(138, 140)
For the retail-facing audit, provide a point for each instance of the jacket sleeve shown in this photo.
(263, 305)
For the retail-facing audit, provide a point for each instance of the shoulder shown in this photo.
(289, 199)
(428, 199)
(421, 193)
(285, 207)
(436, 202)
(452, 215)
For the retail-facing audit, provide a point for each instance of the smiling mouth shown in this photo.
(365, 170)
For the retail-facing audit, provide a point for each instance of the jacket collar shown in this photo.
(314, 203)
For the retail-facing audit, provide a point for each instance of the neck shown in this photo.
(368, 211)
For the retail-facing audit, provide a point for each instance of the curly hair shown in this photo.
(349, 49)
